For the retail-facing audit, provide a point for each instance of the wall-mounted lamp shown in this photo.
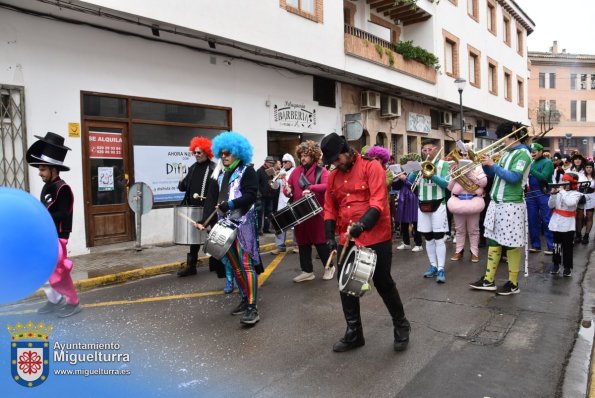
(227, 62)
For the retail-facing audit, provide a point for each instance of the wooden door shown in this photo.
(106, 168)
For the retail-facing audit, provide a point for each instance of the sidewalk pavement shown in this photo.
(121, 263)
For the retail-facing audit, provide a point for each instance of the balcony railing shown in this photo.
(362, 34)
(364, 45)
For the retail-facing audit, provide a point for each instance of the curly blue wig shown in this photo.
(235, 143)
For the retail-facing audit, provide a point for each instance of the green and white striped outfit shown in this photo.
(429, 190)
(506, 217)
(518, 160)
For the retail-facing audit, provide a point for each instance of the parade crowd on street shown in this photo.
(350, 205)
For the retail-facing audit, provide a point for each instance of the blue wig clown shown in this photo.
(235, 143)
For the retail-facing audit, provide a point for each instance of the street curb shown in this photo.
(578, 375)
(141, 273)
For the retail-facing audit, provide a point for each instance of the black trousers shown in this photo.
(194, 251)
(306, 256)
(384, 283)
(405, 234)
(563, 243)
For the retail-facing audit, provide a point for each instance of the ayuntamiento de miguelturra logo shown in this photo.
(30, 353)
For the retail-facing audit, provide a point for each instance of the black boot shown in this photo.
(578, 238)
(393, 303)
(585, 240)
(190, 268)
(354, 335)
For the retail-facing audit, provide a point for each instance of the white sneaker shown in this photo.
(417, 249)
(403, 246)
(304, 276)
(295, 250)
(329, 273)
(454, 240)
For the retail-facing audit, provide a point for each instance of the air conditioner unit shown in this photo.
(370, 100)
(390, 106)
(446, 118)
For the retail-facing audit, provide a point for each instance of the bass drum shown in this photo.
(221, 238)
(184, 231)
(358, 270)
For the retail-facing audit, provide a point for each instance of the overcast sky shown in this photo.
(570, 22)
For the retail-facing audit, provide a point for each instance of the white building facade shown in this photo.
(131, 82)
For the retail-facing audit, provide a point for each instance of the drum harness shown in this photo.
(204, 184)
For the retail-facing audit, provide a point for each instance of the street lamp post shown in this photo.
(460, 83)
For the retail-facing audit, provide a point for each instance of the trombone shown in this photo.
(491, 150)
(427, 169)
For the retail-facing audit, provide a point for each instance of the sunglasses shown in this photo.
(225, 153)
(198, 152)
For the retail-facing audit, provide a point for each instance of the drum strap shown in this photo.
(224, 190)
(318, 175)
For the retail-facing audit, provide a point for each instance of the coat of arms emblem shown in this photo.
(30, 353)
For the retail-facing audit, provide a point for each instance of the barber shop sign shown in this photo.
(288, 115)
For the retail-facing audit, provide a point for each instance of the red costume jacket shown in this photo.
(311, 231)
(350, 194)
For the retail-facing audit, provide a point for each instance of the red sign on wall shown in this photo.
(105, 145)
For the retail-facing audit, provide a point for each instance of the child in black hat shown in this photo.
(48, 155)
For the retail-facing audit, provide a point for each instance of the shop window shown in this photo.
(94, 105)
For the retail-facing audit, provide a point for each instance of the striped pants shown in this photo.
(243, 268)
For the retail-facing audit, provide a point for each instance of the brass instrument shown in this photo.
(464, 181)
(427, 169)
(494, 150)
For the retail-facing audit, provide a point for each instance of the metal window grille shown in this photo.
(13, 138)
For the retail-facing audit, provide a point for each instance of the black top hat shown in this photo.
(49, 150)
(332, 145)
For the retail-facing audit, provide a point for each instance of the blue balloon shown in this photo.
(28, 245)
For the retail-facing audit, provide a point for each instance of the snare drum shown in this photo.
(295, 213)
(221, 238)
(184, 231)
(357, 271)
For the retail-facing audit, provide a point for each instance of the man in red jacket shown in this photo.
(356, 202)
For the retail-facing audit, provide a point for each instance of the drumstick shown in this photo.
(347, 239)
(208, 220)
(186, 217)
(330, 259)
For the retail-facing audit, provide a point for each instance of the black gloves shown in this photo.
(365, 223)
(368, 220)
(329, 229)
(356, 229)
(224, 207)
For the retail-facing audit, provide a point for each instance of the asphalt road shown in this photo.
(182, 341)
